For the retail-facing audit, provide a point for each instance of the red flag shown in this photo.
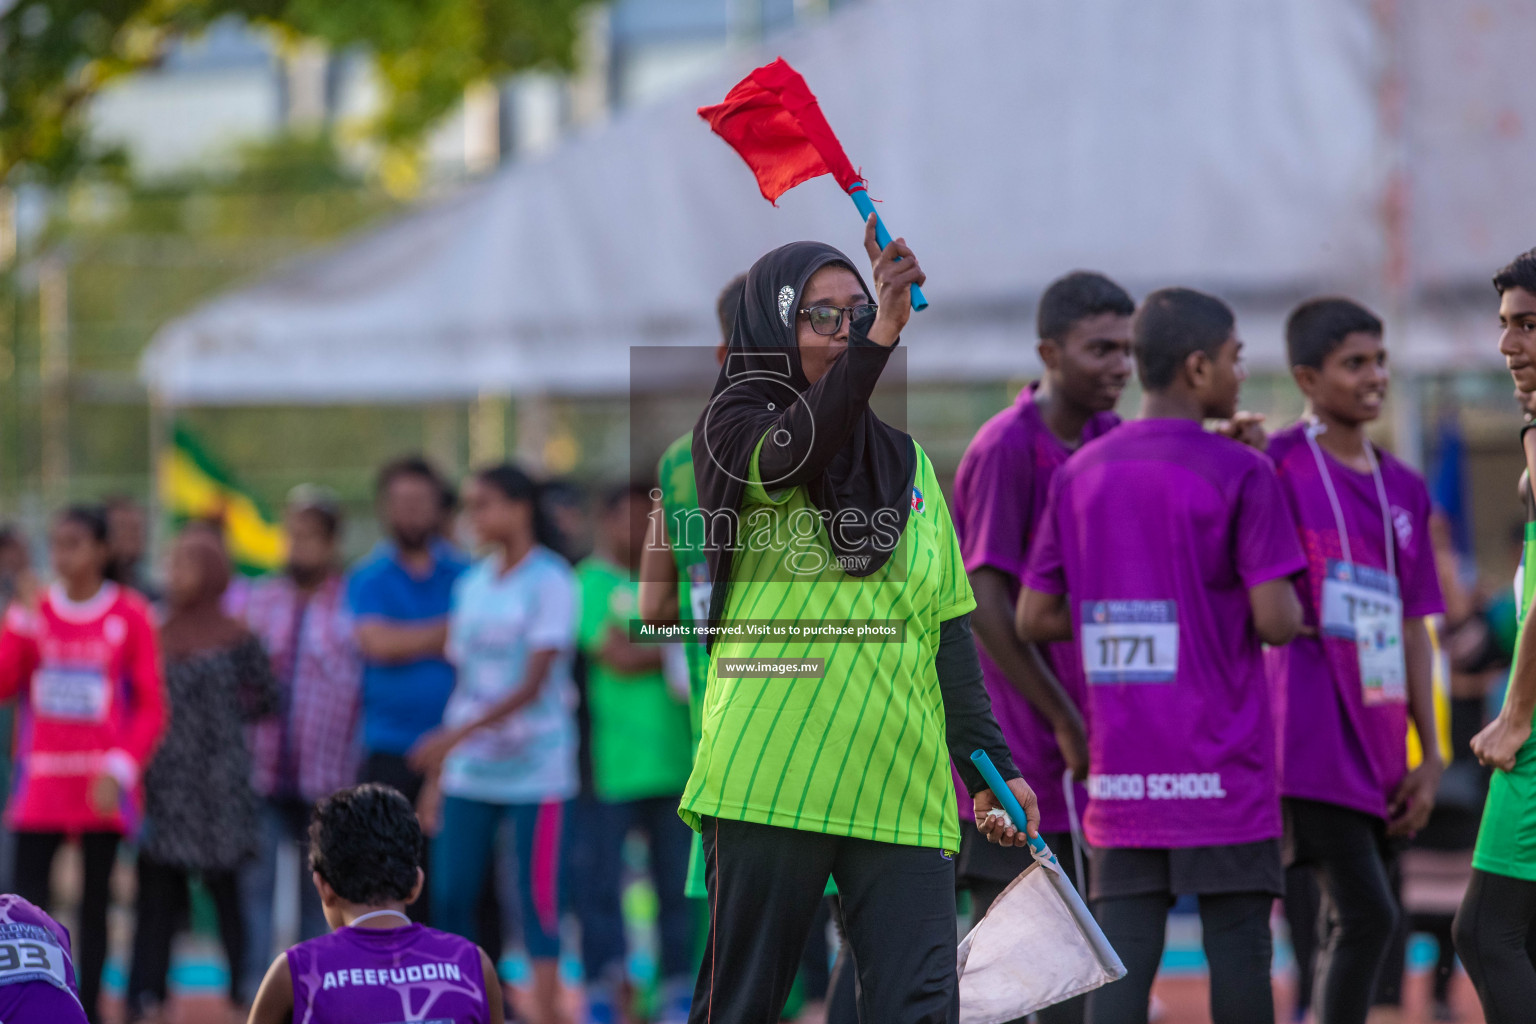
(771, 119)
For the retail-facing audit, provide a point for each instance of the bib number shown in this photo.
(1383, 668)
(25, 960)
(1360, 604)
(70, 693)
(1350, 589)
(1130, 641)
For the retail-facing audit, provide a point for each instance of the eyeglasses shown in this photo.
(829, 319)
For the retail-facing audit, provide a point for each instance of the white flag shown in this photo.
(1037, 946)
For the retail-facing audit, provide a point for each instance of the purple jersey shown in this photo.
(999, 496)
(1156, 532)
(412, 974)
(1335, 745)
(37, 976)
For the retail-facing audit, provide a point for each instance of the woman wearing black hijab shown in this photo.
(821, 515)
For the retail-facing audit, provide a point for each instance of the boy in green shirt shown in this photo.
(641, 757)
(1496, 926)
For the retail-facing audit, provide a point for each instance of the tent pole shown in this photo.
(53, 326)
(534, 418)
(162, 415)
(488, 429)
(1396, 228)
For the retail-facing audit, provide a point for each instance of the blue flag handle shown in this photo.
(1005, 797)
(883, 238)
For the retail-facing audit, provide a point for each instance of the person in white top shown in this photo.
(507, 746)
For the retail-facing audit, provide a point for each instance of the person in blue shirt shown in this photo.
(399, 597)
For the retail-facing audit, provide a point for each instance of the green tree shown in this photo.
(56, 54)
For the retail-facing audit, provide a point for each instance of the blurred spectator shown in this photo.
(565, 504)
(15, 563)
(128, 539)
(641, 758)
(215, 529)
(399, 598)
(506, 752)
(82, 658)
(200, 811)
(308, 750)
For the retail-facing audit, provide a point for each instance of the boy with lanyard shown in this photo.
(1084, 325)
(1496, 926)
(377, 966)
(1177, 552)
(37, 974)
(1345, 691)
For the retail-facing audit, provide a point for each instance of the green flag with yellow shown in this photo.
(195, 485)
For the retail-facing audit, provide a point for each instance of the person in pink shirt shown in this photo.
(1177, 550)
(83, 661)
(1344, 691)
(1084, 324)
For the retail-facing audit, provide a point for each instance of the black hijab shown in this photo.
(854, 466)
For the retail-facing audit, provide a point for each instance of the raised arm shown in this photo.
(819, 425)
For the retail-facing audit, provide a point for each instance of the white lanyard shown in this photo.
(379, 913)
(1314, 427)
(1079, 841)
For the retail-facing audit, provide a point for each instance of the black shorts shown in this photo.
(1201, 870)
(1312, 828)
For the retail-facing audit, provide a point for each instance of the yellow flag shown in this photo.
(195, 486)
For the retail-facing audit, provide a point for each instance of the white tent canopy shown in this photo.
(1236, 146)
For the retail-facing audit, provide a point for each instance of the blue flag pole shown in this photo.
(1010, 803)
(883, 237)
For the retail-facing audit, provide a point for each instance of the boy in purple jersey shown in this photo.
(1177, 550)
(1345, 691)
(1084, 324)
(376, 967)
(37, 974)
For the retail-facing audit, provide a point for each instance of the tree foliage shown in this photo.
(56, 54)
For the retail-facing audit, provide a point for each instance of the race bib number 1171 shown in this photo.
(1130, 641)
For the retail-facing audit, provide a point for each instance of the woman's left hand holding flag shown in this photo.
(896, 271)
